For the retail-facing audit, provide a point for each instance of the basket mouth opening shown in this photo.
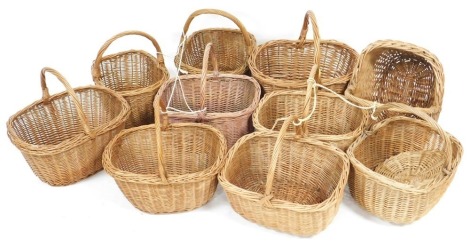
(394, 75)
(187, 150)
(53, 123)
(286, 60)
(305, 174)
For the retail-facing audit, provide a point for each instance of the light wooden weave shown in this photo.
(164, 168)
(225, 101)
(287, 183)
(393, 175)
(232, 47)
(134, 74)
(62, 137)
(395, 71)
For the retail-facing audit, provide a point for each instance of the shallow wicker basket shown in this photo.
(285, 64)
(333, 121)
(164, 168)
(225, 101)
(232, 47)
(287, 183)
(134, 74)
(386, 177)
(395, 71)
(62, 137)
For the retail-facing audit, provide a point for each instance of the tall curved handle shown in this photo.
(246, 35)
(310, 18)
(208, 53)
(73, 97)
(160, 124)
(99, 56)
(433, 123)
(308, 95)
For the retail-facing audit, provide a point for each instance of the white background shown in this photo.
(66, 35)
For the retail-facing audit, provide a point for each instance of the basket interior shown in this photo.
(224, 94)
(56, 121)
(187, 150)
(305, 174)
(228, 46)
(331, 117)
(393, 75)
(288, 60)
(130, 70)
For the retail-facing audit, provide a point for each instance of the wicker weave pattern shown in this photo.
(285, 183)
(395, 71)
(231, 46)
(229, 99)
(387, 197)
(135, 74)
(62, 136)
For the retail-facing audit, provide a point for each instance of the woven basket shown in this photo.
(394, 71)
(134, 74)
(228, 99)
(286, 64)
(393, 176)
(164, 168)
(62, 137)
(285, 183)
(232, 47)
(333, 121)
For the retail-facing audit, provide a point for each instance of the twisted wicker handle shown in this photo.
(308, 95)
(99, 57)
(208, 53)
(160, 124)
(310, 18)
(73, 97)
(246, 35)
(433, 123)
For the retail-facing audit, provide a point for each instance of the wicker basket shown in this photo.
(62, 137)
(286, 183)
(334, 120)
(232, 47)
(134, 74)
(393, 175)
(164, 168)
(228, 99)
(394, 71)
(285, 64)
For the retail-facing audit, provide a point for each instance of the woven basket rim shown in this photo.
(78, 139)
(332, 199)
(127, 176)
(147, 89)
(372, 175)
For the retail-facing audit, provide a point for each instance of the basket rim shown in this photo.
(298, 83)
(324, 137)
(358, 166)
(127, 176)
(78, 139)
(138, 91)
(334, 198)
(215, 115)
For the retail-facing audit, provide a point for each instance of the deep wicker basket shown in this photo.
(62, 137)
(134, 74)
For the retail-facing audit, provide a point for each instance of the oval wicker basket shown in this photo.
(395, 71)
(134, 74)
(62, 137)
(164, 168)
(286, 64)
(225, 101)
(232, 47)
(381, 186)
(287, 183)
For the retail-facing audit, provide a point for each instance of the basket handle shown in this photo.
(161, 124)
(99, 57)
(246, 35)
(308, 95)
(72, 94)
(310, 18)
(433, 123)
(208, 53)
